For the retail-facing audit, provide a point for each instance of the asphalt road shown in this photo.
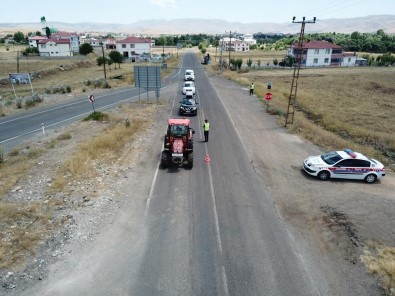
(212, 230)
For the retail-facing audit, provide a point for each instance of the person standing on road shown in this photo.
(206, 129)
(252, 89)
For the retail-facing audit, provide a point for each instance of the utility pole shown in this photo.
(17, 61)
(295, 77)
(104, 62)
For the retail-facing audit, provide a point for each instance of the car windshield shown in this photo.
(178, 129)
(331, 157)
(188, 102)
(188, 73)
(188, 85)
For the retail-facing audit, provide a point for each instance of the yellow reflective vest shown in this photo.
(206, 126)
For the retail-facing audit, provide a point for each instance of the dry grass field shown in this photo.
(336, 107)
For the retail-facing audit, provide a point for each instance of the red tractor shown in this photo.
(178, 144)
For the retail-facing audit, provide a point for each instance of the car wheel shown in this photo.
(324, 175)
(371, 178)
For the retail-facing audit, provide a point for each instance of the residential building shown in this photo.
(233, 44)
(73, 37)
(132, 47)
(249, 38)
(33, 41)
(94, 42)
(322, 53)
(349, 59)
(54, 47)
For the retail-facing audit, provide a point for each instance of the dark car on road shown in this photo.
(188, 106)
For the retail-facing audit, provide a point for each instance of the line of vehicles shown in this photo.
(189, 105)
(178, 141)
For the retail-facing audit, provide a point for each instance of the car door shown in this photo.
(361, 168)
(344, 169)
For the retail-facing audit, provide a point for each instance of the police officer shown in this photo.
(252, 89)
(206, 129)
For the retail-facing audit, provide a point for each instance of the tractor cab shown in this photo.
(178, 143)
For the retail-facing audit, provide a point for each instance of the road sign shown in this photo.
(268, 96)
(91, 98)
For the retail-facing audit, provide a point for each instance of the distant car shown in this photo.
(189, 75)
(188, 86)
(188, 106)
(189, 94)
(345, 164)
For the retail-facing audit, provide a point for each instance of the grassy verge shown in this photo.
(380, 260)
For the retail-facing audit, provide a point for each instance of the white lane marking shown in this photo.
(151, 192)
(55, 108)
(216, 221)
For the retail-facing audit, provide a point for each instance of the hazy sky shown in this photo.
(247, 11)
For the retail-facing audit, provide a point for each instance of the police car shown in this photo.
(345, 164)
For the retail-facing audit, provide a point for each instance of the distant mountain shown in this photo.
(366, 24)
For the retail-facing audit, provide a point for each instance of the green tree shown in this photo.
(85, 49)
(258, 62)
(101, 60)
(48, 32)
(203, 50)
(275, 62)
(116, 57)
(249, 63)
(19, 37)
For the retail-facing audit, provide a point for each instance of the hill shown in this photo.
(366, 24)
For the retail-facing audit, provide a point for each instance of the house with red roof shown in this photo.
(318, 53)
(132, 47)
(55, 47)
(73, 37)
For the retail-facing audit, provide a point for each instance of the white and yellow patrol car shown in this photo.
(345, 164)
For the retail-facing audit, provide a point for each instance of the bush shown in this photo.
(18, 103)
(1, 154)
(64, 136)
(96, 116)
(33, 101)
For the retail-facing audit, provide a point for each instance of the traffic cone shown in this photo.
(207, 158)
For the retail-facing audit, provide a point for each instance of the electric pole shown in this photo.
(17, 61)
(295, 77)
(104, 62)
(230, 46)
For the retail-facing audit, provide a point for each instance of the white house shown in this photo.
(233, 44)
(133, 46)
(249, 38)
(349, 59)
(33, 41)
(322, 53)
(54, 47)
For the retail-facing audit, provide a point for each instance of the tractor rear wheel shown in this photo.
(190, 161)
(164, 161)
